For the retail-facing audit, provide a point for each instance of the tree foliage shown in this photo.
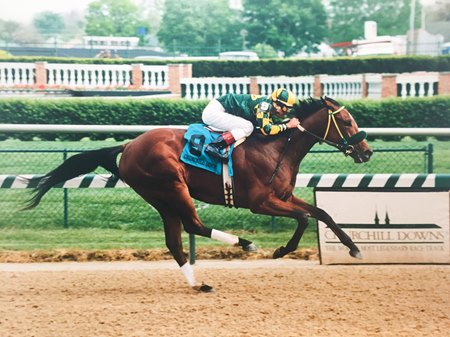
(286, 25)
(196, 27)
(347, 19)
(49, 23)
(113, 18)
(8, 30)
(265, 51)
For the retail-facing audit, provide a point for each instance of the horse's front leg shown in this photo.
(299, 210)
(291, 208)
(323, 216)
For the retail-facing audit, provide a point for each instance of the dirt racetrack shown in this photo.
(252, 298)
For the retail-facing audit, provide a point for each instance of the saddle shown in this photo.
(197, 136)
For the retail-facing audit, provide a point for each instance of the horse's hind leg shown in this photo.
(172, 230)
(193, 225)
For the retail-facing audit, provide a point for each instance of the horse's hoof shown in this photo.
(250, 248)
(279, 252)
(204, 288)
(356, 254)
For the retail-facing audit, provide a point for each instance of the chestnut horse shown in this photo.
(265, 169)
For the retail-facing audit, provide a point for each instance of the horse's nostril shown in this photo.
(368, 153)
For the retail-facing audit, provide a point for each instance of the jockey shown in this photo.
(239, 114)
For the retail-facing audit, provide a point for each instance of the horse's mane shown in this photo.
(310, 105)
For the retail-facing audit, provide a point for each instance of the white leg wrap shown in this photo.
(224, 237)
(188, 273)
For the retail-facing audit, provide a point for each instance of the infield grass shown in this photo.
(118, 218)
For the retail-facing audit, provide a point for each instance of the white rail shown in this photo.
(354, 180)
(62, 128)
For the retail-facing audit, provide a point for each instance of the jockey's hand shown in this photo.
(293, 123)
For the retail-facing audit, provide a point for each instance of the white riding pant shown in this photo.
(215, 115)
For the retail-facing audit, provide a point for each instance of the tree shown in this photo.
(49, 24)
(347, 20)
(152, 11)
(199, 27)
(8, 30)
(74, 22)
(286, 25)
(113, 18)
(12, 31)
(265, 51)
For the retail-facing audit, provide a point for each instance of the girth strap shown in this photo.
(227, 186)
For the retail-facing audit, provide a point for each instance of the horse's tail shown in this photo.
(74, 166)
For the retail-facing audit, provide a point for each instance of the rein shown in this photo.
(345, 146)
(277, 168)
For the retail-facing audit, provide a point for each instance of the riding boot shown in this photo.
(217, 148)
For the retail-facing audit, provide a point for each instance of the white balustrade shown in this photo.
(417, 84)
(342, 86)
(213, 87)
(373, 82)
(16, 74)
(89, 75)
(114, 76)
(155, 77)
(302, 86)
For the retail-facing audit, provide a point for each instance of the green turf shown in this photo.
(118, 218)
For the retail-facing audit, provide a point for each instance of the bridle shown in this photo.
(346, 144)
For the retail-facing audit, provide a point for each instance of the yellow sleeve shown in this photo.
(265, 123)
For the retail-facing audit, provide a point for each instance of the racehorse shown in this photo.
(265, 170)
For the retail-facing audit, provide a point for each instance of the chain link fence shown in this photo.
(122, 208)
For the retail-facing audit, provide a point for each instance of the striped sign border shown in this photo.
(372, 181)
(84, 181)
(355, 181)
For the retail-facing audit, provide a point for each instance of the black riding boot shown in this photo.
(217, 148)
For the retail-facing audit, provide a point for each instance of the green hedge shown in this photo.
(332, 66)
(97, 111)
(276, 67)
(396, 112)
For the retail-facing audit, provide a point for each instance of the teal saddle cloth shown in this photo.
(197, 136)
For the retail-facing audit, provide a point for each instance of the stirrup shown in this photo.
(215, 152)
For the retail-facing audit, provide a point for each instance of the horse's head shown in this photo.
(338, 126)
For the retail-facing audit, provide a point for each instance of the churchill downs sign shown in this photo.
(397, 226)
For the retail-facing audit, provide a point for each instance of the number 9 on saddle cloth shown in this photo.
(197, 136)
